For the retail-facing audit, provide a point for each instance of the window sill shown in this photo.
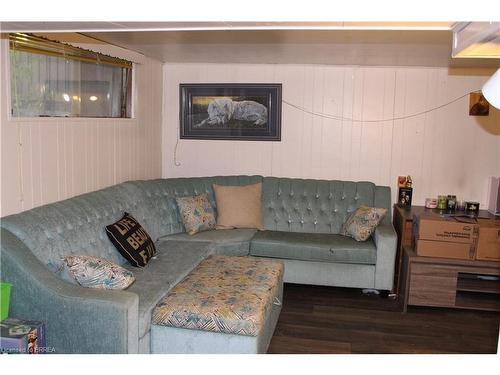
(70, 119)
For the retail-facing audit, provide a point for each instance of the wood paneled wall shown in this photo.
(445, 151)
(46, 160)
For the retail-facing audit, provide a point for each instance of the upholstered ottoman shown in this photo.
(225, 305)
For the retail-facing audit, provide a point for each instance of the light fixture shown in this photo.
(476, 40)
(66, 97)
(93, 98)
(491, 90)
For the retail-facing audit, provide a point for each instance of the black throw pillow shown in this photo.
(131, 240)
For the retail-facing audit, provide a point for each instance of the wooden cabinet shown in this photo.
(402, 219)
(442, 282)
(432, 285)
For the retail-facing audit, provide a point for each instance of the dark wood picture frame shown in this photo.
(230, 111)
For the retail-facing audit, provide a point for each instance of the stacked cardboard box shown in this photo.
(488, 246)
(441, 237)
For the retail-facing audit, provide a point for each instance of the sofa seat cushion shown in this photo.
(217, 236)
(234, 242)
(173, 262)
(321, 247)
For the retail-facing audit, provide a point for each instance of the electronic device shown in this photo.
(494, 196)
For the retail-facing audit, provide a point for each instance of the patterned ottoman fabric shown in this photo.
(223, 294)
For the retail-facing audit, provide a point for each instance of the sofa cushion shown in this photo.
(217, 236)
(173, 262)
(312, 247)
(197, 213)
(239, 206)
(228, 242)
(131, 240)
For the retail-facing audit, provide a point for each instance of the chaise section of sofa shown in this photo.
(174, 261)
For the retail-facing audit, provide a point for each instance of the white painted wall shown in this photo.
(46, 160)
(445, 151)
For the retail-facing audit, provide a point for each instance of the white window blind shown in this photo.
(51, 79)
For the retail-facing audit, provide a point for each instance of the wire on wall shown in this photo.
(176, 162)
(342, 118)
(334, 117)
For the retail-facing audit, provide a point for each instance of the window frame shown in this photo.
(49, 119)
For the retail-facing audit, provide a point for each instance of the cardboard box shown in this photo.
(436, 228)
(488, 246)
(443, 249)
(22, 336)
(441, 237)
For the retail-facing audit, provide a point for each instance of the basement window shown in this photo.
(52, 79)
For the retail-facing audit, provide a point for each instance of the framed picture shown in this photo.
(404, 196)
(232, 111)
(478, 105)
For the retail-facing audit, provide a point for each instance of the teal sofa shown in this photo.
(302, 220)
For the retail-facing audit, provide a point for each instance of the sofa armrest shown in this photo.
(385, 239)
(77, 319)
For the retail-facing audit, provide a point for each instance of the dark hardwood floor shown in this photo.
(317, 319)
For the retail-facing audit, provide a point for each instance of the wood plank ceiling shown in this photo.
(330, 43)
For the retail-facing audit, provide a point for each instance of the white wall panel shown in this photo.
(49, 163)
(46, 160)
(445, 151)
(36, 170)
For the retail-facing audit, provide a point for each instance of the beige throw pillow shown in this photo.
(239, 206)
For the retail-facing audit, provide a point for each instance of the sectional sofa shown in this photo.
(302, 220)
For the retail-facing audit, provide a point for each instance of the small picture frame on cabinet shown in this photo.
(404, 196)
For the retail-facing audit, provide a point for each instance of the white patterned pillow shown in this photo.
(99, 273)
(361, 224)
(197, 213)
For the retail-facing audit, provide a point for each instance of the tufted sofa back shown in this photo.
(76, 225)
(317, 206)
(162, 193)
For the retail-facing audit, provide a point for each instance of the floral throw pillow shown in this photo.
(361, 224)
(99, 273)
(197, 213)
